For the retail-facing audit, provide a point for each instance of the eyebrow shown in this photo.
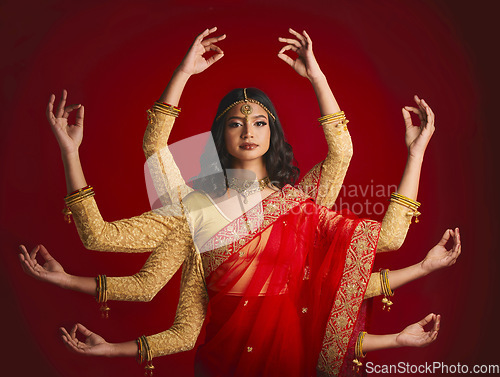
(254, 117)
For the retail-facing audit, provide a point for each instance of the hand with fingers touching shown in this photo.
(194, 62)
(51, 271)
(69, 136)
(416, 336)
(438, 257)
(417, 137)
(305, 64)
(94, 345)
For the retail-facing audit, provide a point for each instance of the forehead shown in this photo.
(236, 111)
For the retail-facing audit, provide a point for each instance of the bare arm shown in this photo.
(412, 336)
(437, 258)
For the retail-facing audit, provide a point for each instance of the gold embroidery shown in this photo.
(346, 307)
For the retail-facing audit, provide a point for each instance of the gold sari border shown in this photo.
(343, 316)
(217, 249)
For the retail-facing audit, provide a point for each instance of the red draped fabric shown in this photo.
(272, 294)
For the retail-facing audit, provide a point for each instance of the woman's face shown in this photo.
(246, 132)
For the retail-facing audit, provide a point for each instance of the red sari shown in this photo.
(285, 297)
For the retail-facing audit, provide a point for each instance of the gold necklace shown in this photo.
(246, 188)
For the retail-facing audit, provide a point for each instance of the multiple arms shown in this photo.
(147, 232)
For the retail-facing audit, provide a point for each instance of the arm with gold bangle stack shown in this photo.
(403, 206)
(385, 281)
(181, 336)
(324, 180)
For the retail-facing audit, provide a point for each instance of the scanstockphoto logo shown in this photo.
(435, 367)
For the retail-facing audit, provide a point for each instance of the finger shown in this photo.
(433, 116)
(308, 40)
(62, 104)
(416, 111)
(213, 47)
(214, 58)
(24, 254)
(45, 253)
(286, 59)
(407, 118)
(83, 330)
(34, 252)
(50, 108)
(73, 332)
(426, 320)
(79, 117)
(445, 238)
(69, 109)
(290, 41)
(437, 322)
(298, 35)
(286, 48)
(208, 41)
(205, 33)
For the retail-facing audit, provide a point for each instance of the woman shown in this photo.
(259, 284)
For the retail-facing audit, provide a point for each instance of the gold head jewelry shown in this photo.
(245, 108)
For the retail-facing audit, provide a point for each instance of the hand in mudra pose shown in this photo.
(417, 137)
(94, 345)
(69, 136)
(305, 64)
(194, 62)
(51, 271)
(416, 336)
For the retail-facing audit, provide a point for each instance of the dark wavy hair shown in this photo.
(280, 163)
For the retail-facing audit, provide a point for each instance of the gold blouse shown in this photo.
(165, 233)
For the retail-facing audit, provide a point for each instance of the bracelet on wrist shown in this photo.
(102, 295)
(338, 118)
(75, 197)
(386, 290)
(144, 354)
(358, 351)
(411, 204)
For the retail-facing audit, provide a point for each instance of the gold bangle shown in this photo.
(386, 290)
(102, 295)
(339, 114)
(358, 351)
(147, 356)
(408, 203)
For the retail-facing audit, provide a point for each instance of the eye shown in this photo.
(234, 125)
(260, 124)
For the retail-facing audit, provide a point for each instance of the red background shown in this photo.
(115, 57)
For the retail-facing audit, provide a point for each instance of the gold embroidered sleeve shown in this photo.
(324, 181)
(167, 179)
(374, 287)
(190, 313)
(161, 265)
(395, 226)
(138, 234)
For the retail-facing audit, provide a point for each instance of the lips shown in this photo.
(248, 146)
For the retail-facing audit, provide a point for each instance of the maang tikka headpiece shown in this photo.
(245, 109)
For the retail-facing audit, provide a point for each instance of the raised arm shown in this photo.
(324, 181)
(399, 214)
(167, 179)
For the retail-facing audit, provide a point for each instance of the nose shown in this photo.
(246, 131)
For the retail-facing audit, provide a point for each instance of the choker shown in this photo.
(247, 188)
